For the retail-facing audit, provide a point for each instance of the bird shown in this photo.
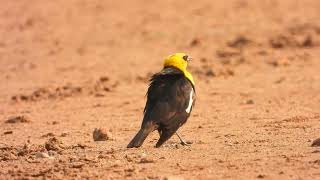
(170, 99)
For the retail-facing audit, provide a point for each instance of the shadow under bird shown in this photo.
(170, 99)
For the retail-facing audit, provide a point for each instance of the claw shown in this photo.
(182, 142)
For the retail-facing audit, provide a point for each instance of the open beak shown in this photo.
(189, 58)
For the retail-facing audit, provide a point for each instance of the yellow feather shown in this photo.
(177, 61)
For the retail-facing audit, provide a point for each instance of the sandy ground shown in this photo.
(68, 67)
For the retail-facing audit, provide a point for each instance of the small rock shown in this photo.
(101, 135)
(42, 155)
(77, 165)
(17, 119)
(53, 144)
(177, 146)
(316, 143)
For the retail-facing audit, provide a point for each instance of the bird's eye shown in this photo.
(185, 58)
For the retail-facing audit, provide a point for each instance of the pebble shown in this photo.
(102, 134)
(316, 143)
(42, 155)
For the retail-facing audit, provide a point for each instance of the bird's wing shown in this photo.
(168, 98)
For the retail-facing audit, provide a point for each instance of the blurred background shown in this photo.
(68, 67)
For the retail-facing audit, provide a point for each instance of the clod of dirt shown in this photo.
(239, 42)
(225, 53)
(53, 144)
(195, 42)
(316, 151)
(287, 41)
(280, 80)
(24, 150)
(316, 143)
(307, 41)
(18, 119)
(210, 72)
(104, 79)
(249, 101)
(8, 132)
(296, 119)
(64, 134)
(281, 41)
(77, 165)
(7, 155)
(48, 135)
(101, 86)
(102, 134)
(81, 145)
(226, 72)
(261, 176)
(49, 93)
(147, 160)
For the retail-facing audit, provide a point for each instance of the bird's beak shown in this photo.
(189, 58)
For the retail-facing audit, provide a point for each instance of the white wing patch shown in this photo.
(190, 102)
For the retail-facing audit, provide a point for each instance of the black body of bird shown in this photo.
(170, 98)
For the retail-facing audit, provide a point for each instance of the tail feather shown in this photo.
(139, 138)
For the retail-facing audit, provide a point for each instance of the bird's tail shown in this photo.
(137, 141)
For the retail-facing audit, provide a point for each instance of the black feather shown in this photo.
(167, 100)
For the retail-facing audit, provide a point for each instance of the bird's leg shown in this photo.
(181, 140)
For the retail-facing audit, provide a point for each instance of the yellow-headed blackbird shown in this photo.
(170, 98)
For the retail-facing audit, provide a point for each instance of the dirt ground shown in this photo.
(68, 67)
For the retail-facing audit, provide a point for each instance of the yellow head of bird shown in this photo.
(179, 61)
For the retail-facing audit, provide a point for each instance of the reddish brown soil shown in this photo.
(68, 67)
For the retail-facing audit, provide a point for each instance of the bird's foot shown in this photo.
(188, 143)
(182, 142)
